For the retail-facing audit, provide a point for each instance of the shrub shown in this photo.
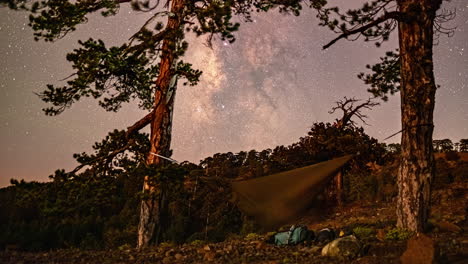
(360, 185)
(452, 156)
(398, 234)
(460, 172)
(443, 174)
(197, 242)
(253, 236)
(363, 232)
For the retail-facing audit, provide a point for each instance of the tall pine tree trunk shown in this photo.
(417, 106)
(153, 210)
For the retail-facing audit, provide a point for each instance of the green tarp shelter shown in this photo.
(276, 199)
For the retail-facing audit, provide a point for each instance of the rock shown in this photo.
(420, 249)
(167, 260)
(207, 248)
(261, 245)
(315, 250)
(380, 235)
(367, 260)
(209, 256)
(346, 247)
(447, 227)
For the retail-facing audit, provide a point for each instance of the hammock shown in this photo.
(276, 199)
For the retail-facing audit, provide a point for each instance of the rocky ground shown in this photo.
(372, 223)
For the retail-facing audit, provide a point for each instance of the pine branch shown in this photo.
(102, 158)
(140, 124)
(390, 15)
(367, 105)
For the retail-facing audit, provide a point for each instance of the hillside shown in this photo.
(371, 220)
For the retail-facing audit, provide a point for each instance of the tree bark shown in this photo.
(333, 194)
(339, 188)
(417, 106)
(153, 208)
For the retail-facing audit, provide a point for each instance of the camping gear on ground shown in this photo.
(325, 235)
(295, 235)
(276, 199)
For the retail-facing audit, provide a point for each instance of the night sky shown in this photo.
(265, 89)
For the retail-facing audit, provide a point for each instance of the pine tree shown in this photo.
(409, 71)
(463, 147)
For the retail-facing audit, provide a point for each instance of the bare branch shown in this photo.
(349, 110)
(441, 18)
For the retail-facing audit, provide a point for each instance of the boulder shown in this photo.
(168, 260)
(445, 226)
(209, 256)
(345, 247)
(420, 249)
(380, 235)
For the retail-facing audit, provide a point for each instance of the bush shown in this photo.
(443, 174)
(398, 234)
(197, 243)
(363, 232)
(460, 172)
(115, 238)
(452, 156)
(360, 185)
(253, 236)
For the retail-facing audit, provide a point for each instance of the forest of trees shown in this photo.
(99, 208)
(439, 145)
(147, 69)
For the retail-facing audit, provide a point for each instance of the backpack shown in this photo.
(325, 235)
(294, 236)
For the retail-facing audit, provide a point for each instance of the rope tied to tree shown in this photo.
(163, 157)
(429, 124)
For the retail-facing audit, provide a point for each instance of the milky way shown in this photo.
(265, 89)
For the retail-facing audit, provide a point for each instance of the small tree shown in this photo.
(463, 147)
(442, 145)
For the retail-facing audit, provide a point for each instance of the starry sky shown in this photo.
(265, 89)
